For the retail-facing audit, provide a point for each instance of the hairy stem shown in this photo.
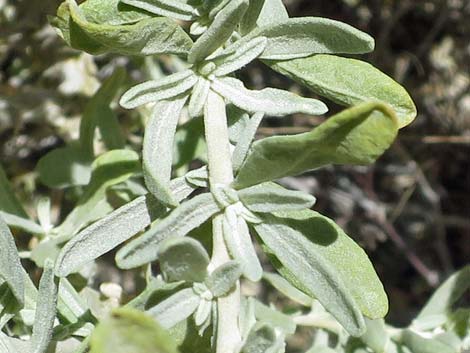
(220, 173)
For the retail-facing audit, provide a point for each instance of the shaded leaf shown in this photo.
(420, 344)
(246, 139)
(112, 12)
(275, 318)
(349, 82)
(252, 15)
(357, 136)
(223, 278)
(168, 8)
(260, 339)
(8, 201)
(273, 11)
(287, 289)
(270, 101)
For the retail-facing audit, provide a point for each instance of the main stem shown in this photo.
(220, 174)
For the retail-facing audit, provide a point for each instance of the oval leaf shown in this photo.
(224, 278)
(270, 101)
(357, 136)
(183, 259)
(349, 82)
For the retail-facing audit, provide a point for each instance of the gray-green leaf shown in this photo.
(198, 97)
(219, 31)
(246, 139)
(270, 101)
(252, 15)
(167, 8)
(270, 197)
(358, 136)
(273, 11)
(179, 222)
(224, 278)
(305, 36)
(287, 289)
(183, 259)
(260, 339)
(175, 308)
(158, 149)
(45, 310)
(154, 91)
(349, 82)
(10, 266)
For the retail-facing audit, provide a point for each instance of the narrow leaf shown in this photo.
(349, 82)
(224, 278)
(357, 136)
(45, 310)
(150, 36)
(270, 197)
(11, 270)
(167, 8)
(246, 139)
(8, 201)
(21, 223)
(311, 272)
(239, 243)
(273, 11)
(103, 236)
(203, 312)
(420, 344)
(154, 91)
(199, 97)
(179, 222)
(183, 259)
(158, 149)
(128, 330)
(219, 31)
(252, 15)
(176, 308)
(270, 101)
(238, 55)
(304, 36)
(275, 318)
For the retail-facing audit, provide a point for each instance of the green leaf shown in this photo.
(239, 243)
(246, 139)
(238, 55)
(275, 318)
(198, 97)
(167, 8)
(273, 11)
(8, 201)
(112, 12)
(260, 339)
(128, 330)
(103, 236)
(154, 91)
(376, 336)
(252, 15)
(349, 82)
(219, 31)
(446, 295)
(328, 243)
(186, 217)
(10, 266)
(287, 289)
(12, 345)
(304, 36)
(357, 136)
(270, 101)
(158, 149)
(109, 169)
(270, 197)
(183, 259)
(224, 278)
(25, 224)
(150, 36)
(420, 344)
(175, 308)
(45, 310)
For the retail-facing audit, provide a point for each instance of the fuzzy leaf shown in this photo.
(239, 243)
(219, 31)
(357, 136)
(252, 15)
(150, 36)
(128, 330)
(25, 224)
(305, 36)
(8, 201)
(260, 339)
(45, 310)
(203, 312)
(275, 318)
(224, 278)
(273, 11)
(198, 97)
(175, 308)
(246, 139)
(183, 259)
(158, 149)
(321, 245)
(238, 55)
(154, 91)
(287, 289)
(270, 101)
(349, 82)
(167, 8)
(12, 345)
(270, 197)
(189, 215)
(103, 236)
(419, 344)
(376, 336)
(112, 12)
(11, 270)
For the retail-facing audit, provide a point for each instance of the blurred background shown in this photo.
(410, 211)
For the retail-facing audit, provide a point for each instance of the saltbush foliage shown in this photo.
(201, 227)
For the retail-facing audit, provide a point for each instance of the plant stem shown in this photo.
(220, 173)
